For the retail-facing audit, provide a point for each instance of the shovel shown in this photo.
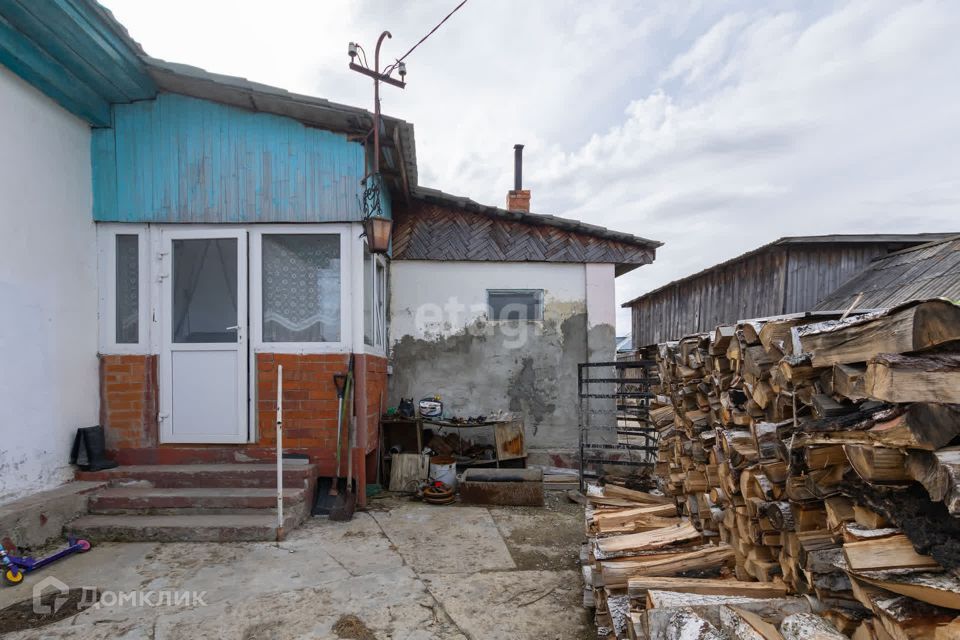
(342, 510)
(340, 381)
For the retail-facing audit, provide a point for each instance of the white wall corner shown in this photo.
(601, 294)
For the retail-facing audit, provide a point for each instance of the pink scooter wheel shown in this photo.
(84, 546)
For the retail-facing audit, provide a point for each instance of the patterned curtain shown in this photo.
(301, 288)
(128, 289)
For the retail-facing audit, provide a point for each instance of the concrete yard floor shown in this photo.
(400, 570)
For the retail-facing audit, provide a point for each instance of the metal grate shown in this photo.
(614, 402)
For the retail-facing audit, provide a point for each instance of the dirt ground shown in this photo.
(399, 570)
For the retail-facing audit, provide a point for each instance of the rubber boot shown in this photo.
(90, 450)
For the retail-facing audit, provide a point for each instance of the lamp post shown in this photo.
(376, 226)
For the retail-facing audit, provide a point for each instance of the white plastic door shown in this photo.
(203, 355)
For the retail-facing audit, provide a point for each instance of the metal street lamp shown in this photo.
(376, 227)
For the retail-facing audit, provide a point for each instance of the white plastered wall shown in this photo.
(442, 342)
(48, 288)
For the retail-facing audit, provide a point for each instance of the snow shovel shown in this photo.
(342, 510)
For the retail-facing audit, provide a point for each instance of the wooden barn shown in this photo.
(789, 275)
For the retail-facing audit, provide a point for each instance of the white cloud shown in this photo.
(715, 127)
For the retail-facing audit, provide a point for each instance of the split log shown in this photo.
(910, 327)
(854, 532)
(684, 625)
(839, 511)
(893, 552)
(636, 525)
(721, 338)
(939, 589)
(923, 378)
(639, 586)
(928, 524)
(757, 362)
(921, 425)
(848, 381)
(899, 617)
(823, 457)
(642, 497)
(631, 513)
(780, 516)
(939, 473)
(808, 626)
(826, 407)
(662, 604)
(868, 518)
(949, 631)
(877, 464)
(616, 574)
(746, 625)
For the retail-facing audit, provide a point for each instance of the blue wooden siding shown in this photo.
(181, 159)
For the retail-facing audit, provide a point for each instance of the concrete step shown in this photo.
(173, 501)
(180, 528)
(234, 475)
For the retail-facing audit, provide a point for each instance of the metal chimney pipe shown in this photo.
(517, 167)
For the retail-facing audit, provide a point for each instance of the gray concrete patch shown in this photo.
(37, 520)
(514, 604)
(405, 570)
(533, 537)
(446, 539)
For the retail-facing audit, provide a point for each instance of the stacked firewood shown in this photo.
(820, 450)
(649, 573)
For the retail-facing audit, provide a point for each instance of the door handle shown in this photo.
(236, 326)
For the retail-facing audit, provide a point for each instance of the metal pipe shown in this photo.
(376, 102)
(279, 453)
(517, 167)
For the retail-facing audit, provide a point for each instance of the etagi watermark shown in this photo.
(514, 322)
(92, 597)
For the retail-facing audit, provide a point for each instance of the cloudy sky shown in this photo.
(712, 126)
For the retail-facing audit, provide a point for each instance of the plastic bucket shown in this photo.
(444, 469)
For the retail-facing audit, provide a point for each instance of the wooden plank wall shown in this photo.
(182, 159)
(782, 279)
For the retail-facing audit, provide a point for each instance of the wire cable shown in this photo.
(421, 41)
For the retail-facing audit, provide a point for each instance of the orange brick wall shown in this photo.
(309, 399)
(371, 391)
(129, 403)
(128, 400)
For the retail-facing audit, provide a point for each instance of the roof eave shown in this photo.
(435, 196)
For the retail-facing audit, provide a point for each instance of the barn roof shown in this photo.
(925, 271)
(833, 239)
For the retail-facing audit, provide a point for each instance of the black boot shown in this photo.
(90, 449)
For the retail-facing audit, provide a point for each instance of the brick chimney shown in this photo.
(518, 198)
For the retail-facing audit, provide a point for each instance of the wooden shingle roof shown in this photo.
(926, 271)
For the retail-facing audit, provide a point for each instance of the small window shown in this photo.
(515, 304)
(374, 299)
(301, 288)
(128, 289)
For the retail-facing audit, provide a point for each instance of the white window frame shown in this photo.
(345, 344)
(379, 346)
(107, 283)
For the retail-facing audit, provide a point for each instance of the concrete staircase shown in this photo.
(194, 502)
